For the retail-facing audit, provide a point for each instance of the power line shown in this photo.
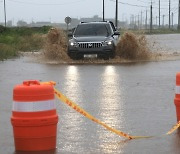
(68, 3)
(153, 2)
(142, 6)
(145, 2)
(130, 4)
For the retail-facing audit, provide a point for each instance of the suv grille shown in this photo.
(89, 45)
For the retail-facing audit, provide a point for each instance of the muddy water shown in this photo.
(136, 98)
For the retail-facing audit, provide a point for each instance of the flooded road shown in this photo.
(165, 42)
(136, 98)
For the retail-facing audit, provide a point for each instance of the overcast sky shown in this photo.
(57, 10)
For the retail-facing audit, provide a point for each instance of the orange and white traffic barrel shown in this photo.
(177, 96)
(34, 118)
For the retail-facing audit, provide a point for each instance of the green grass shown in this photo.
(6, 51)
(13, 40)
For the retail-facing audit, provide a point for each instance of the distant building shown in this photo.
(22, 23)
(41, 24)
(94, 18)
(59, 25)
(9, 23)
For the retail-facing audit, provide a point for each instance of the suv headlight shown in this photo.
(73, 44)
(108, 43)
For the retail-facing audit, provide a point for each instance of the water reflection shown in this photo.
(72, 81)
(113, 147)
(71, 120)
(111, 105)
(111, 99)
(36, 152)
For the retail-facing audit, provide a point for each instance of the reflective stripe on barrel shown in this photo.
(34, 106)
(177, 90)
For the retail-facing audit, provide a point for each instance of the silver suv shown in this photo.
(93, 40)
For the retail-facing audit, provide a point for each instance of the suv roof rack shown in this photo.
(95, 21)
(83, 22)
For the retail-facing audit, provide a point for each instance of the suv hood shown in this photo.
(90, 39)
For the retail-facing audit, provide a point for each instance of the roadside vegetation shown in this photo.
(13, 40)
(53, 41)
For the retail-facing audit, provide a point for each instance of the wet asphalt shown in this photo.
(137, 98)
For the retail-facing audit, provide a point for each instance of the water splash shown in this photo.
(133, 47)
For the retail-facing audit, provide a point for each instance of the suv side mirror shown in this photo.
(116, 33)
(70, 34)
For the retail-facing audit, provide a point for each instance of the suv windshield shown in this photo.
(92, 30)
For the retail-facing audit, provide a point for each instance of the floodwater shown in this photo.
(136, 98)
(165, 42)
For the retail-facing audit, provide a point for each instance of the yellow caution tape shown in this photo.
(174, 128)
(49, 83)
(74, 106)
(77, 108)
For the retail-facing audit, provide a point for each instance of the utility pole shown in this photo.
(156, 20)
(163, 20)
(103, 10)
(141, 19)
(146, 19)
(116, 17)
(172, 17)
(151, 18)
(130, 20)
(159, 13)
(169, 14)
(133, 19)
(179, 17)
(138, 22)
(5, 13)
